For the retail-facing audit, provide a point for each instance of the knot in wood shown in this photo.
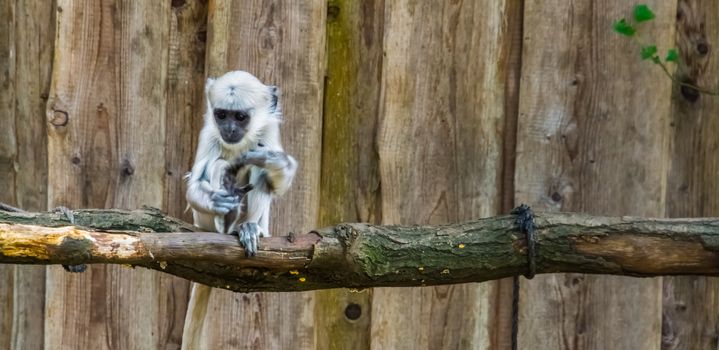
(59, 118)
(127, 168)
(345, 234)
(703, 48)
(353, 311)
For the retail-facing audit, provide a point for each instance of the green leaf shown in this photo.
(648, 51)
(643, 13)
(672, 56)
(622, 27)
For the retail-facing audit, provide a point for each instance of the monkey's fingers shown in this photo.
(225, 198)
(249, 235)
(257, 158)
(222, 204)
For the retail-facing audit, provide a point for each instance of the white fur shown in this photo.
(237, 90)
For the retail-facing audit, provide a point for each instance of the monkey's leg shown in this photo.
(258, 209)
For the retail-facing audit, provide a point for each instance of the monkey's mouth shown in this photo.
(232, 137)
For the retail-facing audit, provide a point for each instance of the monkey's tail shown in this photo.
(195, 319)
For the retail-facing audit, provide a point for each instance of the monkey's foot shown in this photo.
(249, 235)
(71, 218)
(75, 268)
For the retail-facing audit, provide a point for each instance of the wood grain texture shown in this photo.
(183, 120)
(6, 306)
(26, 50)
(692, 303)
(185, 98)
(440, 145)
(593, 137)
(8, 151)
(350, 188)
(33, 69)
(106, 112)
(287, 49)
(8, 139)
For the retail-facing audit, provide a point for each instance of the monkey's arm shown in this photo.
(201, 195)
(278, 168)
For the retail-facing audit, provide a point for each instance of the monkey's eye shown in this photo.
(240, 116)
(220, 114)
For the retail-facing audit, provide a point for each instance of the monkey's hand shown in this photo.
(203, 198)
(280, 167)
(249, 234)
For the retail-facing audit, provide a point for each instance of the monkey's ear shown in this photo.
(208, 85)
(275, 91)
(275, 96)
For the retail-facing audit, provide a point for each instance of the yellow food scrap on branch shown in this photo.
(461, 246)
(294, 272)
(302, 279)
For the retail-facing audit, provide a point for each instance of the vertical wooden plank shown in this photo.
(184, 98)
(8, 141)
(6, 285)
(593, 137)
(23, 169)
(691, 304)
(106, 113)
(349, 189)
(8, 152)
(282, 43)
(503, 335)
(441, 153)
(33, 65)
(34, 20)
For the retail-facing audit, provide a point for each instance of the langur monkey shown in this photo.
(239, 166)
(239, 144)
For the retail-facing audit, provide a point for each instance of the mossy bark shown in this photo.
(361, 255)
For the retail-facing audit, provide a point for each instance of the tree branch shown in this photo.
(362, 255)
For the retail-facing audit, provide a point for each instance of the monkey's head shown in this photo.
(240, 106)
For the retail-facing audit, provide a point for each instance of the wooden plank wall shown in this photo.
(457, 102)
(108, 107)
(350, 181)
(588, 141)
(25, 68)
(399, 112)
(691, 304)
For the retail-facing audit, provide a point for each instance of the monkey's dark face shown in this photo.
(232, 124)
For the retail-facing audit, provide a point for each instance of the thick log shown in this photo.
(360, 255)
